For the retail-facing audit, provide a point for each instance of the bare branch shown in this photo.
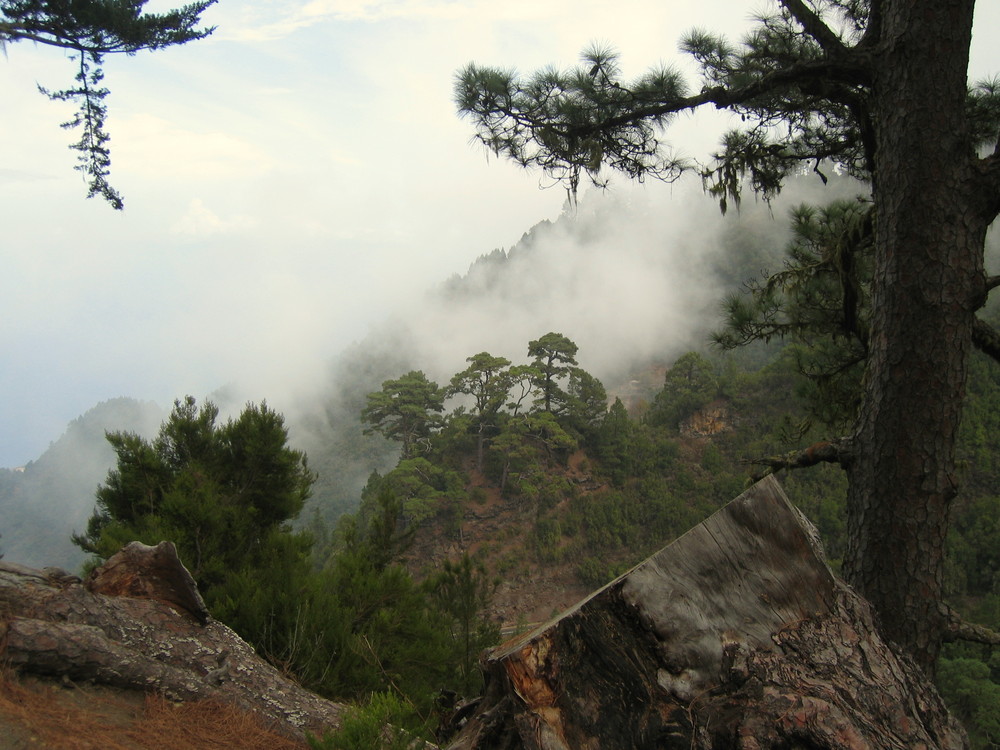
(959, 629)
(833, 452)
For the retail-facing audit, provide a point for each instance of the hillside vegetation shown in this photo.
(550, 504)
(457, 501)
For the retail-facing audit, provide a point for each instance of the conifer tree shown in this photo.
(879, 88)
(222, 493)
(553, 356)
(462, 591)
(488, 381)
(406, 409)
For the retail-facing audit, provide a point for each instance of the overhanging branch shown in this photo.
(851, 69)
(10, 32)
(91, 29)
(833, 452)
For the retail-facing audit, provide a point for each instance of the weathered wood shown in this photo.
(53, 625)
(735, 636)
(145, 572)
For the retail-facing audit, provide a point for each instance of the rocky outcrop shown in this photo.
(737, 635)
(139, 623)
(708, 422)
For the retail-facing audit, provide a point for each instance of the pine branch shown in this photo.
(852, 70)
(834, 452)
(11, 32)
(959, 629)
(813, 25)
(94, 159)
(92, 29)
(103, 28)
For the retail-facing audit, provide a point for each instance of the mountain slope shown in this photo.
(42, 504)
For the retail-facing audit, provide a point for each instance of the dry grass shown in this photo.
(40, 714)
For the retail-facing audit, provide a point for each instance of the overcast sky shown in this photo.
(288, 182)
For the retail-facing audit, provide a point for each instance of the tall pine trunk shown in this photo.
(928, 283)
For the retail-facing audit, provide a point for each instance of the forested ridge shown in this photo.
(520, 485)
(594, 505)
(600, 502)
(397, 600)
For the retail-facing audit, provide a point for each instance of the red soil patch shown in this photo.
(40, 714)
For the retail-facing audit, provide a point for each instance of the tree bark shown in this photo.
(737, 635)
(927, 284)
(52, 624)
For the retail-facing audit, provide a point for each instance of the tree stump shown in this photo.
(737, 635)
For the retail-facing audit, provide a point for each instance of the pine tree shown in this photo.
(877, 87)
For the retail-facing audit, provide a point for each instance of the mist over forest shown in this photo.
(634, 276)
(636, 279)
(462, 488)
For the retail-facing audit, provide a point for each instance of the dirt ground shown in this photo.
(496, 531)
(36, 713)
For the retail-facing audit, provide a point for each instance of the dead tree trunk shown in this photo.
(737, 635)
(139, 623)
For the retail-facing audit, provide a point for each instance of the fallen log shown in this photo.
(737, 635)
(139, 623)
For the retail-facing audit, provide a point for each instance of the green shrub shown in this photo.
(377, 725)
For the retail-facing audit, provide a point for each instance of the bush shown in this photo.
(378, 725)
(974, 698)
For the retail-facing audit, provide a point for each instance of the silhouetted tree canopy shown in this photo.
(91, 29)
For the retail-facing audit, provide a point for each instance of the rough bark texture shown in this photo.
(52, 624)
(928, 282)
(145, 572)
(735, 636)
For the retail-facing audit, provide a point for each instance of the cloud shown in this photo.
(200, 221)
(16, 176)
(338, 156)
(629, 279)
(279, 21)
(634, 277)
(559, 19)
(154, 147)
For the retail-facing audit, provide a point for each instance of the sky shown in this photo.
(290, 182)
